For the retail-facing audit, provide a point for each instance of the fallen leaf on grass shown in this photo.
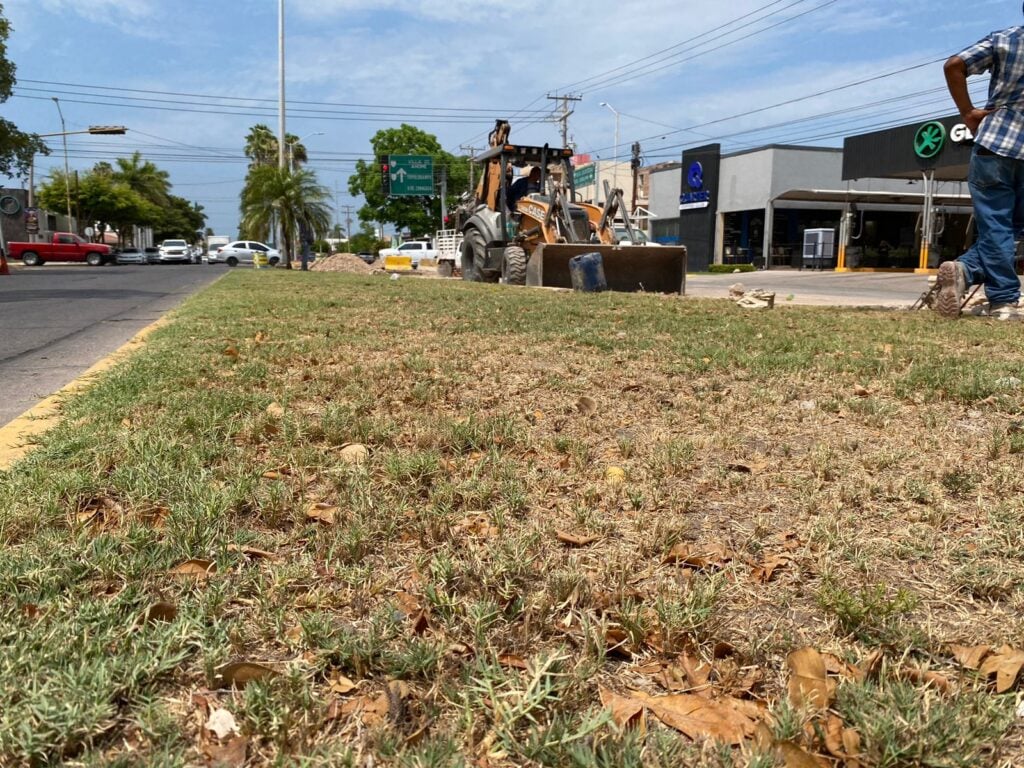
(752, 468)
(617, 641)
(374, 710)
(842, 742)
(511, 661)
(321, 513)
(763, 572)
(275, 411)
(1006, 664)
(626, 712)
(701, 557)
(927, 677)
(808, 679)
(160, 612)
(586, 405)
(241, 673)
(794, 756)
(230, 754)
(861, 391)
(970, 656)
(576, 539)
(354, 453)
(255, 554)
(231, 352)
(340, 684)
(195, 569)
(727, 720)
(221, 723)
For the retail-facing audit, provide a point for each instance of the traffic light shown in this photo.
(385, 174)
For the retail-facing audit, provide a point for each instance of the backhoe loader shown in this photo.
(532, 245)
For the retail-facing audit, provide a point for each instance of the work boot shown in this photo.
(952, 282)
(1005, 311)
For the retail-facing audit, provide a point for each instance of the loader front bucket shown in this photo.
(627, 268)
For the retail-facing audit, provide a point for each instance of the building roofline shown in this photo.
(791, 147)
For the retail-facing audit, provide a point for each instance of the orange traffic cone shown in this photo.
(4, 269)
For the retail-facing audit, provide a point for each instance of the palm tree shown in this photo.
(295, 198)
(261, 147)
(145, 178)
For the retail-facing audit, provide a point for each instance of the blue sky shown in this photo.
(202, 72)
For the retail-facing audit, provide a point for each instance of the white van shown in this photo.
(213, 242)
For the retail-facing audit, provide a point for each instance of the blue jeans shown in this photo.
(997, 190)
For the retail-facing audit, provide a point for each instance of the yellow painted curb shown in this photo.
(15, 438)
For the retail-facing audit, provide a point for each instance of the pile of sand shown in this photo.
(342, 262)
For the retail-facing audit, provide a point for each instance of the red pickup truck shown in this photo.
(63, 247)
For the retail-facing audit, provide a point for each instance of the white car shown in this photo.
(131, 255)
(175, 252)
(622, 236)
(241, 252)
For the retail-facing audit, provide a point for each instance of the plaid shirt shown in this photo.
(1002, 53)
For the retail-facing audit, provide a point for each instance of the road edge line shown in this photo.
(46, 414)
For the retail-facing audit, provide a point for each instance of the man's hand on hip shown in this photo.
(973, 118)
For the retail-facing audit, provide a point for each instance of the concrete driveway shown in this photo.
(847, 289)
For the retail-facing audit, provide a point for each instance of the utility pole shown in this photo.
(282, 150)
(563, 118)
(444, 196)
(348, 220)
(472, 154)
(634, 163)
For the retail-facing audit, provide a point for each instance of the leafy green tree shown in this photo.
(180, 218)
(145, 178)
(261, 147)
(419, 215)
(16, 147)
(366, 241)
(294, 197)
(99, 197)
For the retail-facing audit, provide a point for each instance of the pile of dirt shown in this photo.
(343, 262)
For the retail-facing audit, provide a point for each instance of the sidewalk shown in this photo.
(847, 289)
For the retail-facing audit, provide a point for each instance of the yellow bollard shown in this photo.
(259, 260)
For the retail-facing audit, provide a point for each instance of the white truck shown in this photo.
(448, 244)
(408, 255)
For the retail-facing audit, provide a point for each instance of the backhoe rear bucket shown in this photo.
(627, 268)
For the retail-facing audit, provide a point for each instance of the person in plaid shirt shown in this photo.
(996, 175)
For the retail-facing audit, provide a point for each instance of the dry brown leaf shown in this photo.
(697, 674)
(160, 612)
(808, 679)
(231, 352)
(747, 467)
(861, 391)
(842, 742)
(240, 673)
(728, 720)
(701, 557)
(927, 677)
(255, 554)
(575, 539)
(871, 667)
(511, 661)
(275, 411)
(230, 754)
(586, 405)
(627, 712)
(764, 571)
(1006, 664)
(617, 641)
(195, 569)
(260, 337)
(354, 453)
(340, 684)
(271, 474)
(321, 513)
(794, 756)
(970, 656)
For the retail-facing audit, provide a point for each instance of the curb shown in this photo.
(15, 437)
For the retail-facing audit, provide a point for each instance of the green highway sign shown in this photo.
(411, 175)
(584, 175)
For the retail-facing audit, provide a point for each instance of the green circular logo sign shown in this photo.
(929, 140)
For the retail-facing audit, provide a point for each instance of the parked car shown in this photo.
(131, 255)
(366, 256)
(241, 252)
(63, 246)
(152, 254)
(416, 250)
(622, 235)
(213, 242)
(175, 252)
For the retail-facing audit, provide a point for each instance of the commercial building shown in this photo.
(892, 199)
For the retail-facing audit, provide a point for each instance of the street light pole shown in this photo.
(67, 174)
(615, 168)
(291, 148)
(281, 158)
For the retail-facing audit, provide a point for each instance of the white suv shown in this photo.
(175, 252)
(241, 252)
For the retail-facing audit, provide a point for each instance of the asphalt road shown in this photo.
(57, 321)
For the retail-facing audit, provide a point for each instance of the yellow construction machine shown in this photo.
(533, 244)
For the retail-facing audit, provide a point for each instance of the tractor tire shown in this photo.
(513, 266)
(473, 250)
